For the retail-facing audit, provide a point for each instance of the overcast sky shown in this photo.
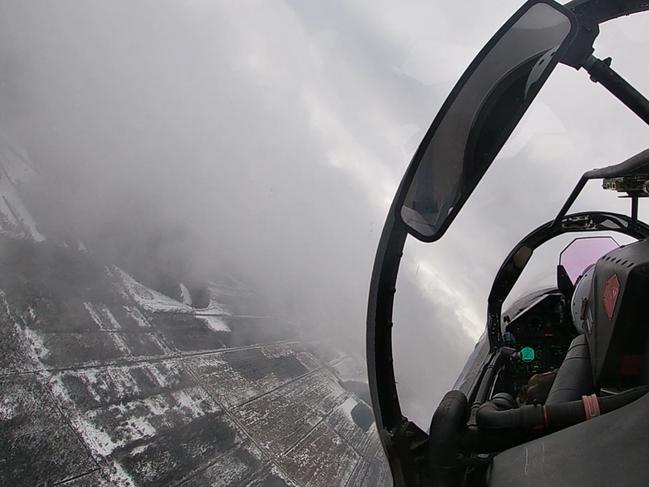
(270, 136)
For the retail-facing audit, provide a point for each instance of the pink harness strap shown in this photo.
(591, 406)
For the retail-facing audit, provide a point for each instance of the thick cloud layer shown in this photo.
(267, 138)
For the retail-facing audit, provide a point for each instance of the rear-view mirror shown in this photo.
(480, 114)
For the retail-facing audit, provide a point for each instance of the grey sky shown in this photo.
(273, 136)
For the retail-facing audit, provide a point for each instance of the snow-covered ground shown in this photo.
(151, 300)
(156, 302)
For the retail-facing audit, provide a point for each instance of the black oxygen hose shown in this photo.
(500, 412)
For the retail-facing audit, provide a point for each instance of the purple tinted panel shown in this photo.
(582, 252)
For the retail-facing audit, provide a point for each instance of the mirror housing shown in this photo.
(480, 114)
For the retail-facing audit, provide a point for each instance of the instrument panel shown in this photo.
(545, 326)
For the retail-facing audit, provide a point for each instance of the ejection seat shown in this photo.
(574, 378)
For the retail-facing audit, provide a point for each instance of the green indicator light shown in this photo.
(527, 354)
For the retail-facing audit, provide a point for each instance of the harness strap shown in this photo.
(591, 406)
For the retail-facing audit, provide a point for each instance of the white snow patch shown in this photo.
(148, 298)
(161, 345)
(122, 383)
(10, 407)
(119, 342)
(186, 401)
(104, 442)
(159, 377)
(214, 323)
(186, 295)
(138, 449)
(82, 247)
(36, 343)
(58, 389)
(105, 310)
(90, 308)
(119, 476)
(104, 383)
(348, 405)
(276, 350)
(117, 284)
(6, 412)
(141, 426)
(98, 440)
(134, 420)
